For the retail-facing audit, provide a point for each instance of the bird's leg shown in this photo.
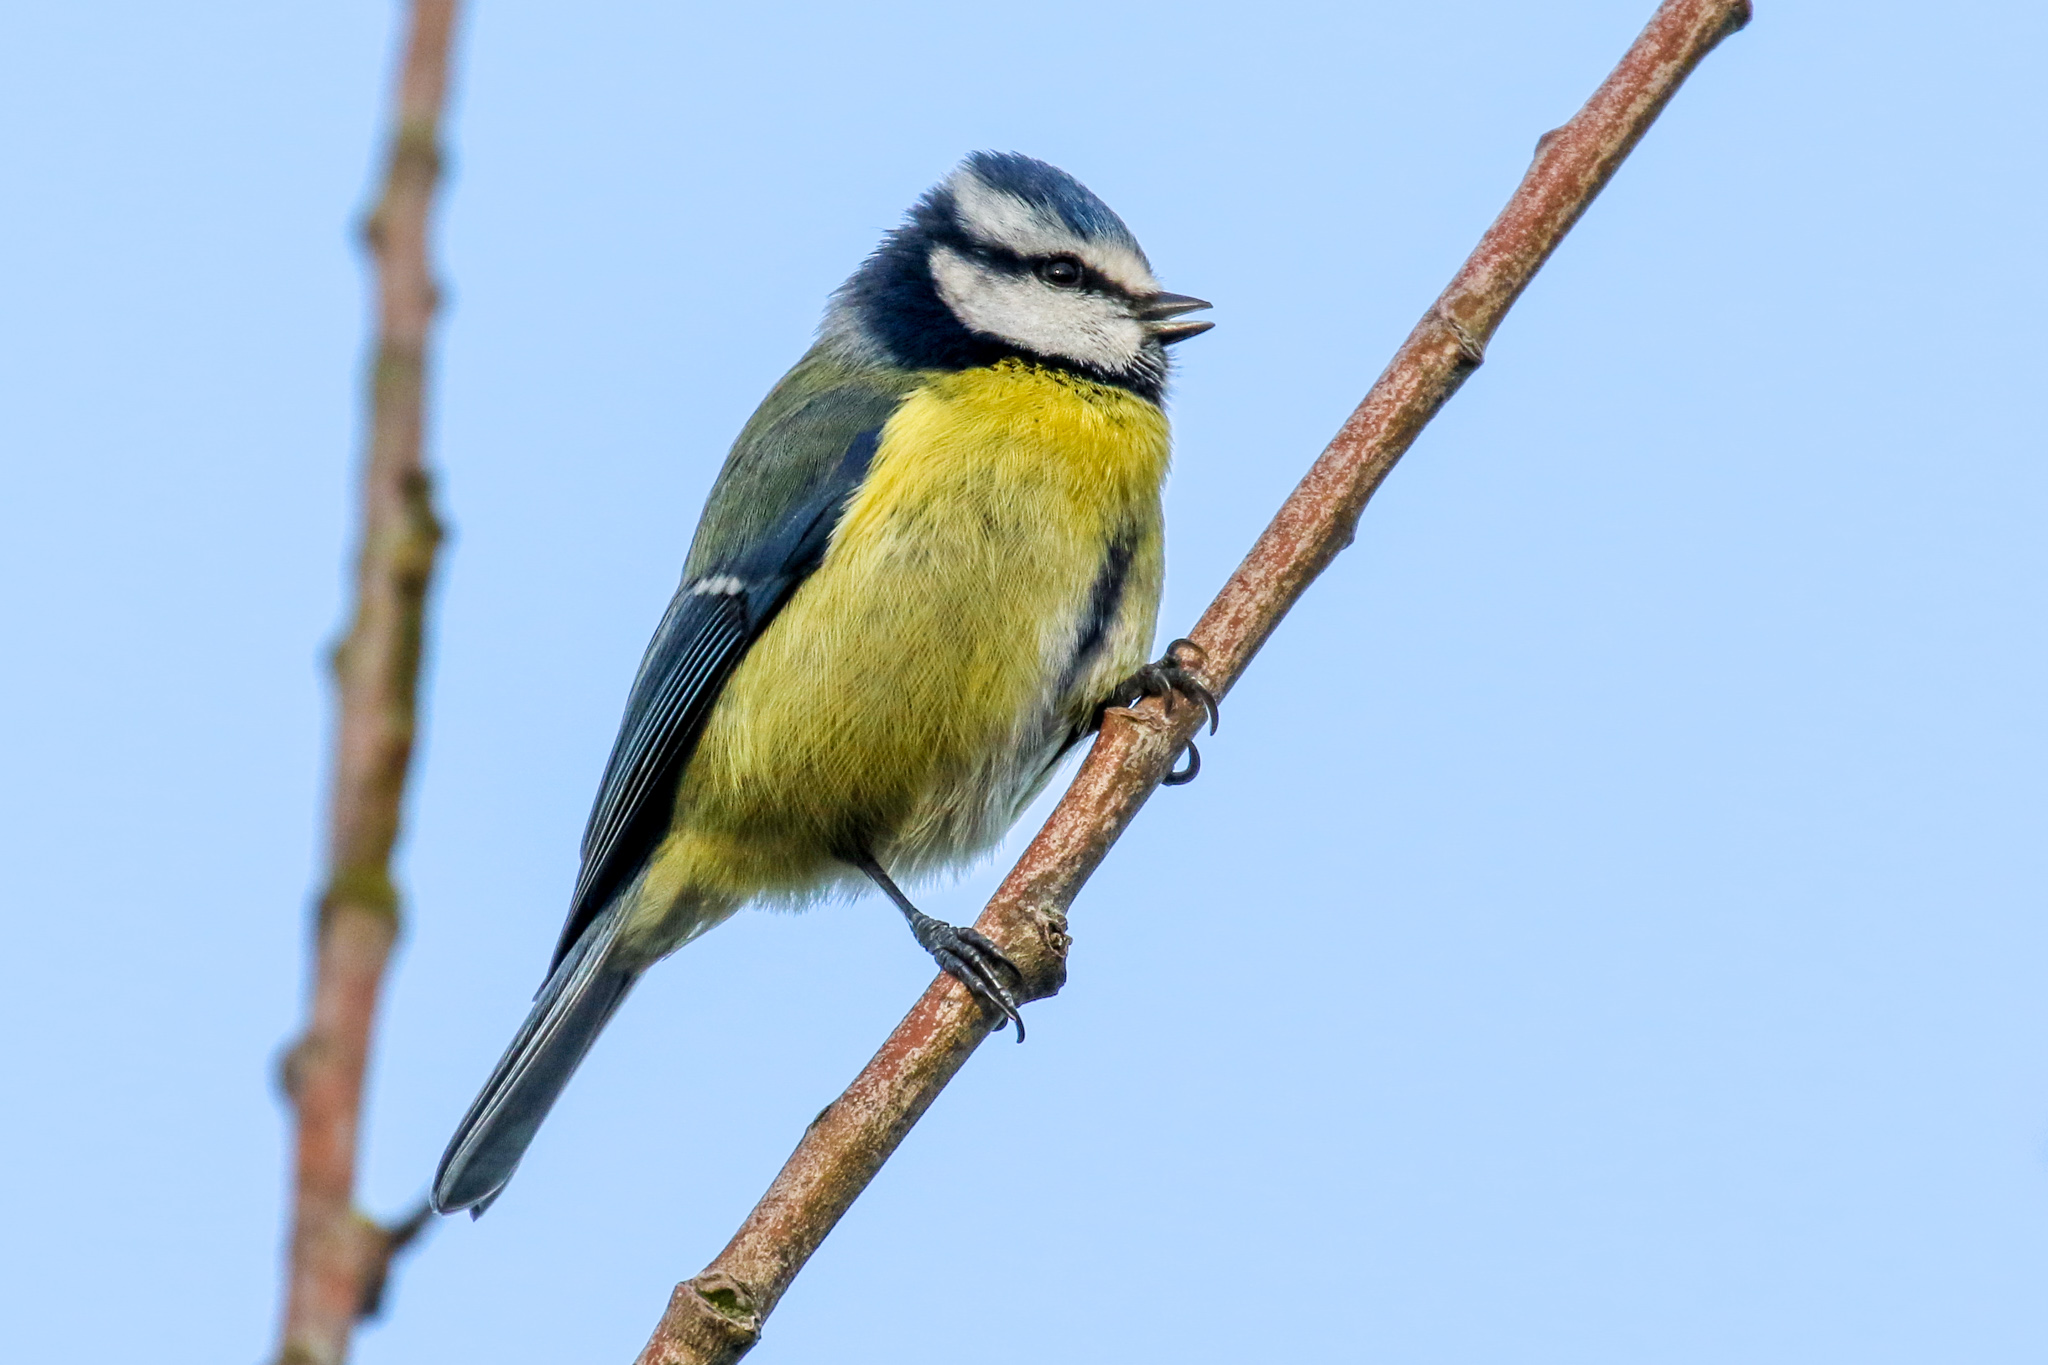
(963, 954)
(1168, 677)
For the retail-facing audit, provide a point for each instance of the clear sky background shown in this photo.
(1608, 928)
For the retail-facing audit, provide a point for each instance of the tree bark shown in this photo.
(716, 1317)
(338, 1257)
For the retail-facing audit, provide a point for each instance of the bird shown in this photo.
(932, 559)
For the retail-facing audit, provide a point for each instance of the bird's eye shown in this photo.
(1063, 272)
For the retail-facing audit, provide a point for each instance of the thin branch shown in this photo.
(716, 1317)
(340, 1258)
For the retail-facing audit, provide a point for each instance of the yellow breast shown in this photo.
(1032, 442)
(885, 704)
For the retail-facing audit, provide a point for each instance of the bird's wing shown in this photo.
(765, 529)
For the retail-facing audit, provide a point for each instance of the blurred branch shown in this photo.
(717, 1316)
(339, 1259)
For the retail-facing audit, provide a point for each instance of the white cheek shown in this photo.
(1019, 309)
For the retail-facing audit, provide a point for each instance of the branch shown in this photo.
(716, 1317)
(339, 1258)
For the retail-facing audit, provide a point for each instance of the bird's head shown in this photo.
(1012, 257)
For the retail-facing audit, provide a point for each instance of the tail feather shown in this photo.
(571, 1010)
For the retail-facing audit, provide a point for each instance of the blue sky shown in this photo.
(1607, 929)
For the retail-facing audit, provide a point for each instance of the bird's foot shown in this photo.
(1168, 677)
(963, 954)
(970, 958)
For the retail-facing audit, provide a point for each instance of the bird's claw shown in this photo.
(1168, 677)
(970, 958)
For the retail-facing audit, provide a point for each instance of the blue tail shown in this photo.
(572, 1009)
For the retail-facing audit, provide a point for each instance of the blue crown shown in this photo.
(1048, 187)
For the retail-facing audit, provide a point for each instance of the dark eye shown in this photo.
(1063, 272)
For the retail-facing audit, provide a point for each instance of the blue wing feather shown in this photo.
(710, 623)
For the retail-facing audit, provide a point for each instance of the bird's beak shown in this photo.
(1158, 313)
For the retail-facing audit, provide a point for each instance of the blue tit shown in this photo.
(932, 557)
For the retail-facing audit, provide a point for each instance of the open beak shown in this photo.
(1159, 311)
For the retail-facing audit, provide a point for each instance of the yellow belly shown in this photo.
(905, 698)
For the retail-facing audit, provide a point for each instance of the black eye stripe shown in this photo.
(1013, 262)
